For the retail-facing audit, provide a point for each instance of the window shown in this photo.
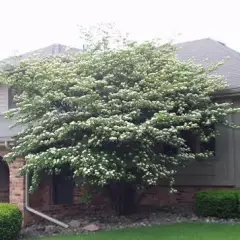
(63, 187)
(11, 94)
(209, 146)
(196, 146)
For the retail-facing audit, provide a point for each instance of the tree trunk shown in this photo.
(123, 197)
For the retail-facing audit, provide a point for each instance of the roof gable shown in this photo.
(51, 50)
(208, 51)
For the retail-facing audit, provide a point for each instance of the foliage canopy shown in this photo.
(114, 113)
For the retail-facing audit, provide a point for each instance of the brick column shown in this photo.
(17, 184)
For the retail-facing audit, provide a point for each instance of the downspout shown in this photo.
(28, 208)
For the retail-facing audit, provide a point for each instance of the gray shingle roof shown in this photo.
(214, 52)
(52, 50)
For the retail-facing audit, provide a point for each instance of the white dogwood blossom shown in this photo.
(114, 114)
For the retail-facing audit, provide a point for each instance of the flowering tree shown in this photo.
(118, 117)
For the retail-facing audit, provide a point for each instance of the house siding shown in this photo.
(236, 143)
(219, 171)
(3, 99)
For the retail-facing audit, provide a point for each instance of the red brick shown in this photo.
(42, 200)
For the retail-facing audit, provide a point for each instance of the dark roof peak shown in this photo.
(224, 44)
(53, 49)
(195, 41)
(208, 51)
(210, 41)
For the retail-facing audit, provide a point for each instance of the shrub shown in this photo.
(220, 203)
(10, 221)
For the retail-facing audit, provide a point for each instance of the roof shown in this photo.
(208, 51)
(51, 50)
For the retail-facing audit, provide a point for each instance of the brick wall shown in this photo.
(13, 190)
(42, 199)
(185, 195)
(4, 194)
(156, 197)
(17, 184)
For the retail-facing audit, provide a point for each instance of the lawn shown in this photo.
(182, 231)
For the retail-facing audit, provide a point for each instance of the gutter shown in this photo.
(27, 207)
(7, 145)
(236, 94)
(231, 92)
(232, 95)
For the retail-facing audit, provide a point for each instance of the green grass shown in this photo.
(182, 231)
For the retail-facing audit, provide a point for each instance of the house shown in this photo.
(58, 197)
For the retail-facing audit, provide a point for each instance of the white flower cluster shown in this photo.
(115, 114)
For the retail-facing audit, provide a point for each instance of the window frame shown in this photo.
(57, 195)
(11, 103)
